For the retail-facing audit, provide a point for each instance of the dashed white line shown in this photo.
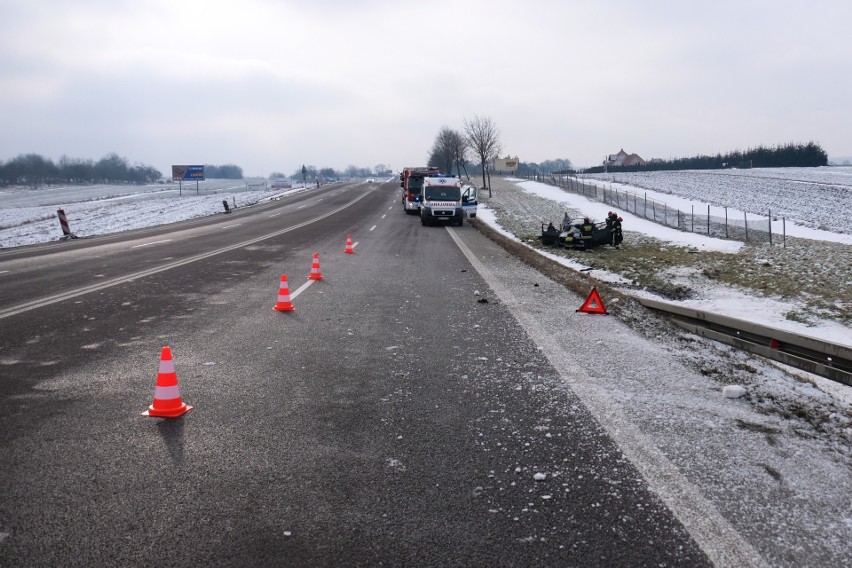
(234, 225)
(371, 228)
(302, 288)
(151, 243)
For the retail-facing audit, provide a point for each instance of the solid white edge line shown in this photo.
(719, 540)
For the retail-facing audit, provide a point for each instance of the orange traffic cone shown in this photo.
(593, 304)
(315, 269)
(349, 249)
(167, 401)
(283, 304)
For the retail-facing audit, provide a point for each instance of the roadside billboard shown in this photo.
(188, 173)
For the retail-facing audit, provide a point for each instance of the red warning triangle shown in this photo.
(593, 304)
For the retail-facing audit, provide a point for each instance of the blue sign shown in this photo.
(188, 173)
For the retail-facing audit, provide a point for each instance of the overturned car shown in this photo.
(581, 236)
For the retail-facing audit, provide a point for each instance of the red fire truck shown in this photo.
(411, 181)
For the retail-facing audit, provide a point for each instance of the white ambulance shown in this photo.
(441, 200)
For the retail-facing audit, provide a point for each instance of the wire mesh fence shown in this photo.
(756, 229)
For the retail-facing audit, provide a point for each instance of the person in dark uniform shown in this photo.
(611, 219)
(617, 236)
(586, 229)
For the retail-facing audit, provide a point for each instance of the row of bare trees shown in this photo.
(33, 170)
(480, 138)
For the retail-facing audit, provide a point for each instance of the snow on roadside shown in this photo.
(718, 298)
(598, 210)
(100, 210)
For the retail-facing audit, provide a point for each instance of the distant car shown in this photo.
(370, 180)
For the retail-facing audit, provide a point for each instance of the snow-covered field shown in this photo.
(28, 216)
(819, 198)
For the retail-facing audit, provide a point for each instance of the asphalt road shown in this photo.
(394, 418)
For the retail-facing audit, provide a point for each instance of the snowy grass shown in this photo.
(805, 287)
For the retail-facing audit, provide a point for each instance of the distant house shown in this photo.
(623, 159)
(504, 165)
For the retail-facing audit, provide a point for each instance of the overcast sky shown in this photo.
(270, 85)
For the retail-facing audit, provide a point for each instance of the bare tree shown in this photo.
(483, 136)
(457, 144)
(448, 148)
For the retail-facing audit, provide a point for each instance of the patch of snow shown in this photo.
(733, 391)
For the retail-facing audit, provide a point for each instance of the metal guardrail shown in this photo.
(826, 359)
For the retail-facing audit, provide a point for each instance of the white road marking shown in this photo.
(3, 271)
(373, 227)
(151, 243)
(275, 214)
(383, 216)
(234, 225)
(301, 288)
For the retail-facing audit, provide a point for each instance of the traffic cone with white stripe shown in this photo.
(284, 304)
(349, 249)
(315, 269)
(167, 401)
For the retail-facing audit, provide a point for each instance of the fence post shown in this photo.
(726, 221)
(693, 217)
(708, 219)
(784, 229)
(745, 216)
(770, 227)
(645, 210)
(665, 215)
